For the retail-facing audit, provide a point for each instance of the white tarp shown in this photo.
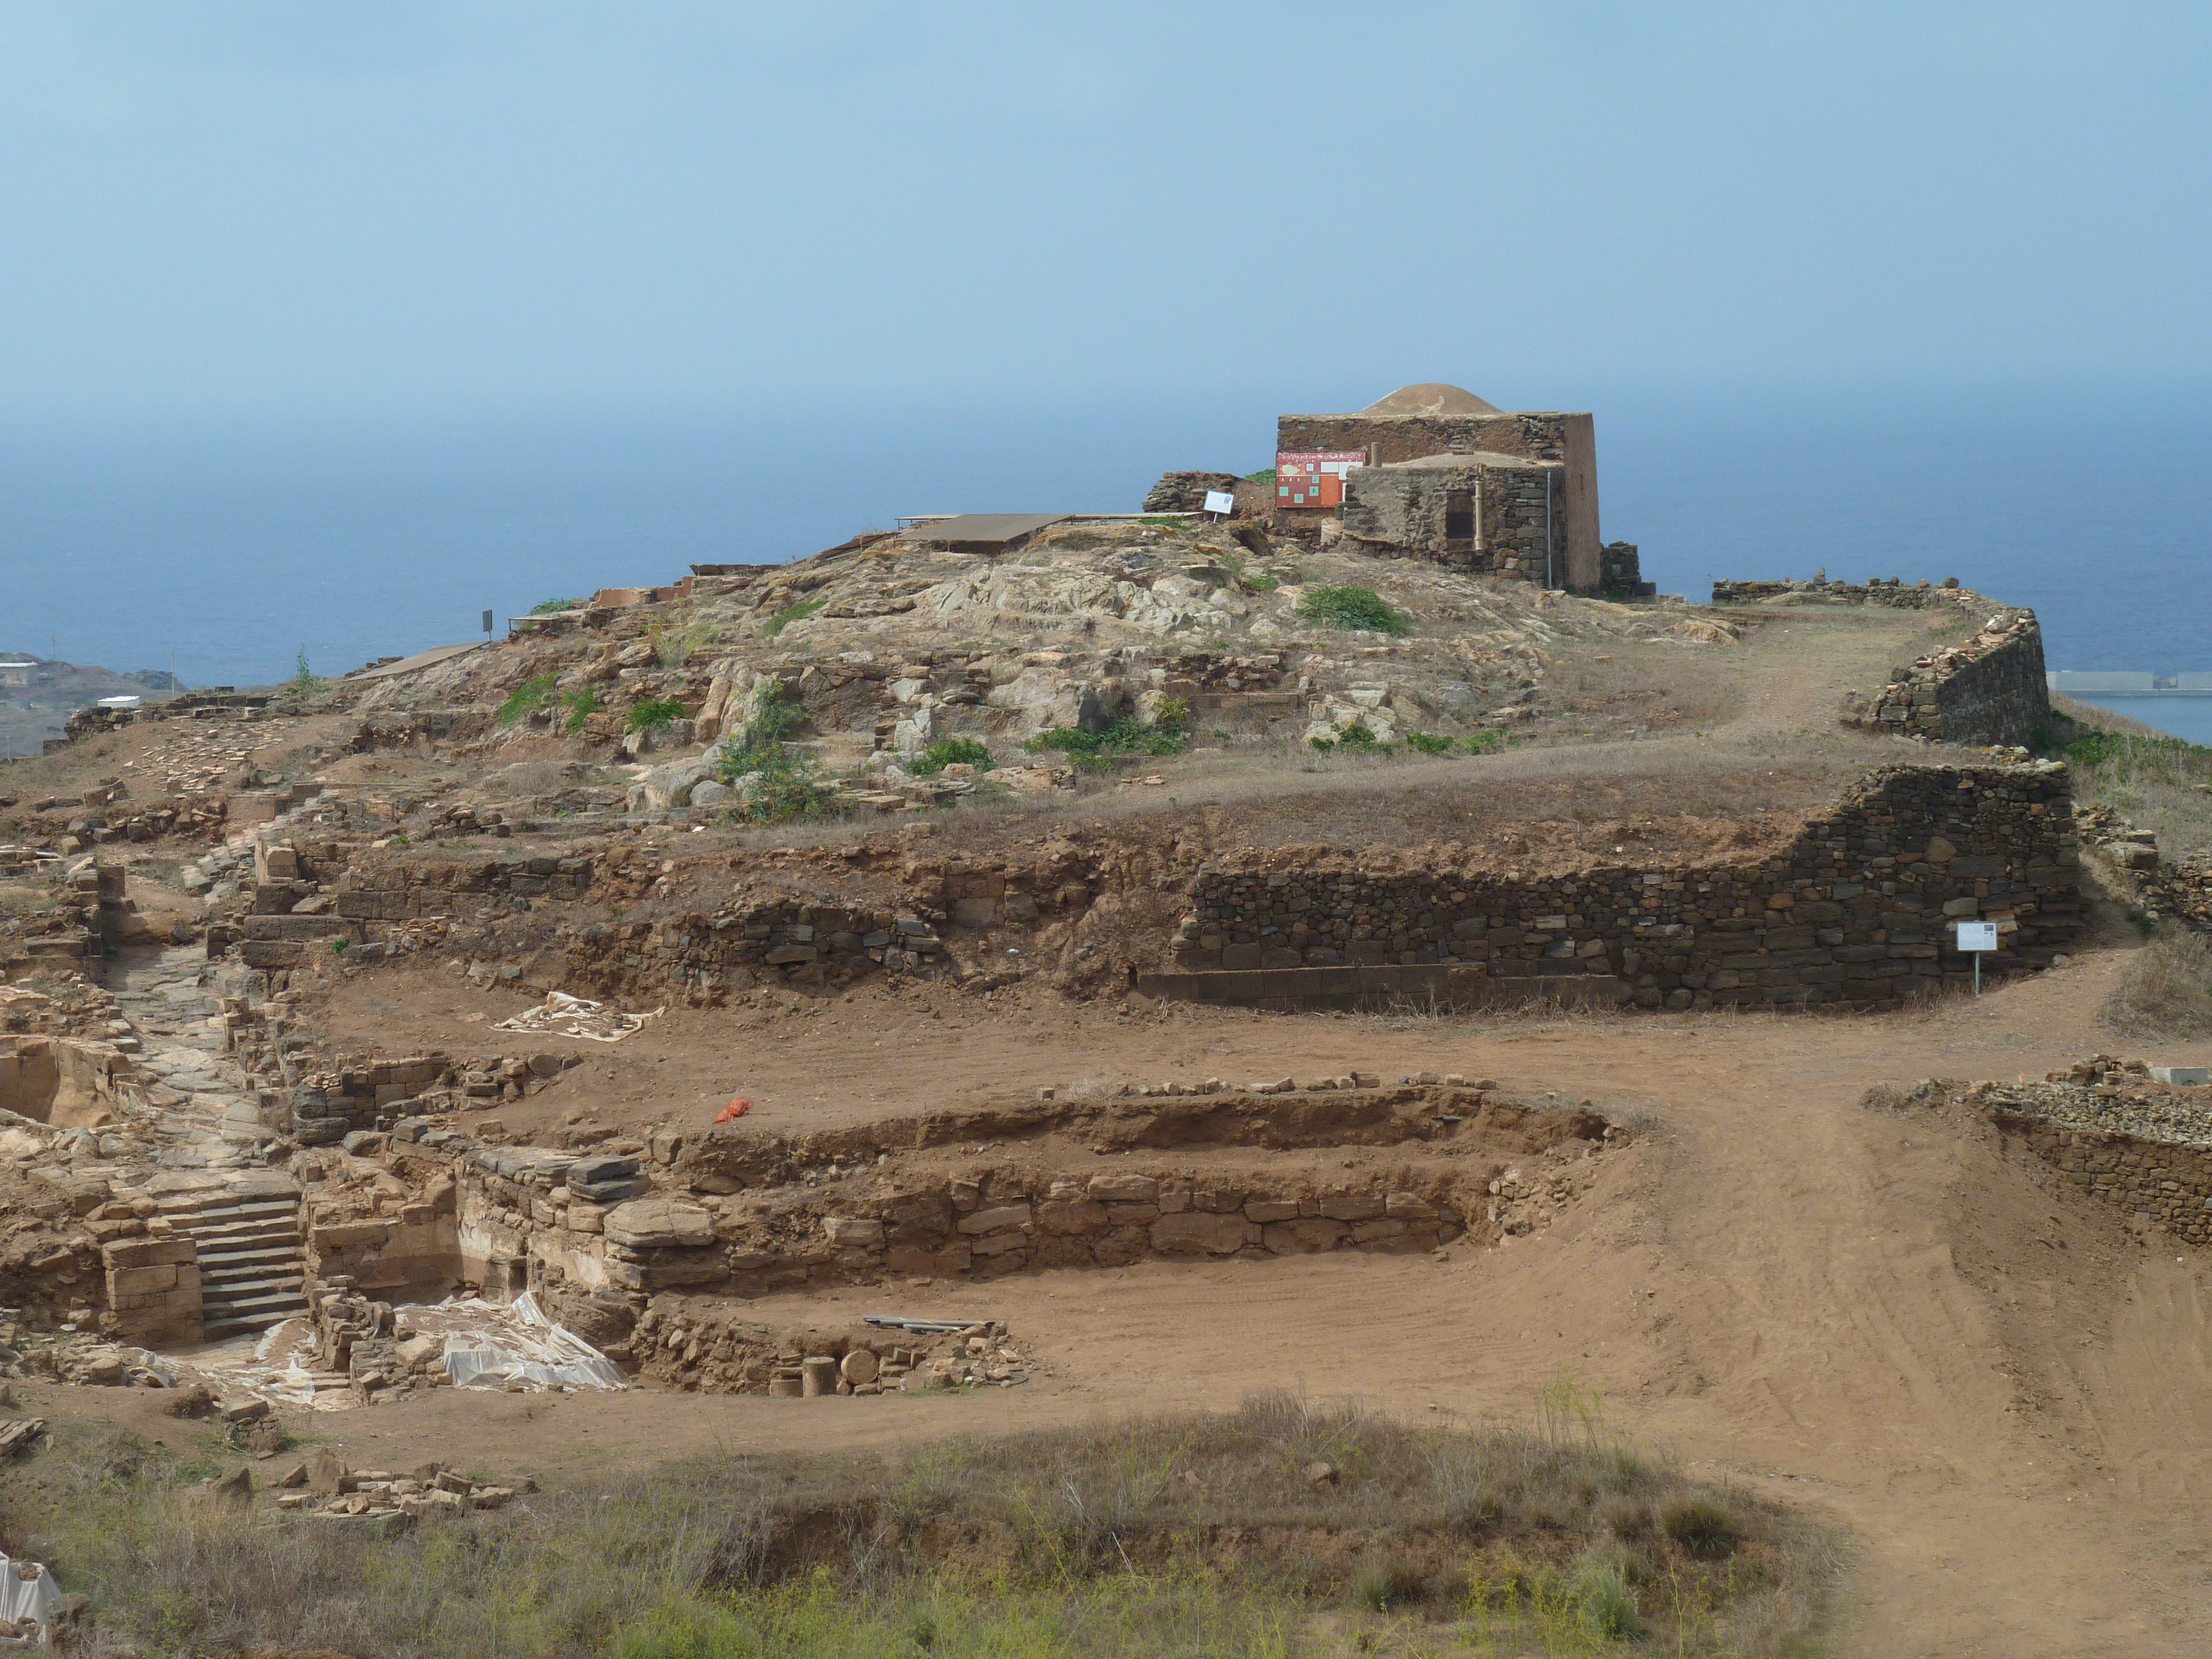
(26, 1591)
(577, 1017)
(488, 1346)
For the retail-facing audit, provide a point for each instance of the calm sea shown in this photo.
(224, 550)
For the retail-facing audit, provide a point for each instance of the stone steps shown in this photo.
(252, 1257)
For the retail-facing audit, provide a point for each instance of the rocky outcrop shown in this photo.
(1186, 492)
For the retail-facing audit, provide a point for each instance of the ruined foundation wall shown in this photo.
(1857, 909)
(2153, 1180)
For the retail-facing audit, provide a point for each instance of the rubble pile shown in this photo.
(325, 1488)
(703, 1346)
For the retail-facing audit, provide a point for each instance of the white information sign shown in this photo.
(1977, 936)
(1220, 501)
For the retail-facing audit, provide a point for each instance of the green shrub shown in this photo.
(547, 607)
(303, 683)
(1127, 739)
(790, 613)
(581, 705)
(1356, 739)
(1359, 608)
(1604, 1604)
(1265, 475)
(655, 715)
(783, 788)
(1259, 582)
(1485, 743)
(1428, 743)
(952, 752)
(527, 698)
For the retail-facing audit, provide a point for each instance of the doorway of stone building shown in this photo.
(1459, 521)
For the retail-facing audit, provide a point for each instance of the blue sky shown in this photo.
(216, 209)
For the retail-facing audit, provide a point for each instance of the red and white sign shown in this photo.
(1313, 478)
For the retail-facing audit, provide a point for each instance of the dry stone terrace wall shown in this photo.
(1857, 909)
(2141, 1147)
(802, 1215)
(1990, 690)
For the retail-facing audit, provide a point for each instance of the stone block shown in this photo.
(1000, 1218)
(1200, 1232)
(659, 1223)
(1122, 1189)
(1303, 1237)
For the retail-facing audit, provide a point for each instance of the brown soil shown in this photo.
(1895, 1320)
(2000, 1391)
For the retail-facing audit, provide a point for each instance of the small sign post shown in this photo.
(487, 624)
(1221, 501)
(1974, 938)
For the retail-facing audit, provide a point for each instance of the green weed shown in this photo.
(527, 698)
(581, 705)
(783, 788)
(655, 715)
(1126, 739)
(1360, 608)
(790, 613)
(951, 751)
(547, 607)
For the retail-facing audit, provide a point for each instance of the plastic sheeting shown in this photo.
(518, 1343)
(578, 1017)
(25, 1597)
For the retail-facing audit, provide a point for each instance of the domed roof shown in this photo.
(1433, 398)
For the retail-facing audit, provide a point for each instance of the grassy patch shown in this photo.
(790, 613)
(952, 752)
(547, 607)
(2165, 994)
(1266, 475)
(1127, 739)
(1167, 521)
(1360, 608)
(527, 698)
(654, 714)
(1168, 1536)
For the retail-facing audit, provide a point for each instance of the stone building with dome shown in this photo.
(1435, 471)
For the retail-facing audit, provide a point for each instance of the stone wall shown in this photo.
(1402, 509)
(1621, 572)
(1920, 596)
(154, 1289)
(1989, 690)
(845, 1207)
(2155, 1181)
(1186, 492)
(401, 891)
(1856, 909)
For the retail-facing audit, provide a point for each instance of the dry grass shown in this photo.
(2166, 994)
(1567, 806)
(2157, 781)
(1215, 1535)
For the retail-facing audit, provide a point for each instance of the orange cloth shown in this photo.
(734, 1110)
